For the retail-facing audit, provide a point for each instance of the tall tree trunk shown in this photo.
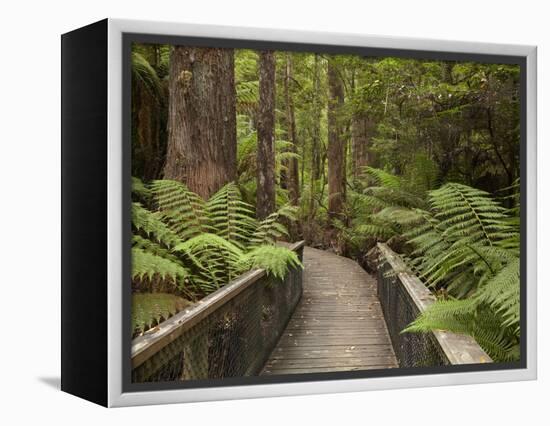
(315, 167)
(265, 191)
(202, 136)
(361, 135)
(293, 184)
(336, 145)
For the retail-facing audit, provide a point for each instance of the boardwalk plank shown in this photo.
(338, 324)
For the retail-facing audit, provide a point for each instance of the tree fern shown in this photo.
(382, 178)
(469, 215)
(183, 210)
(152, 226)
(140, 190)
(271, 229)
(215, 260)
(380, 211)
(274, 259)
(153, 247)
(231, 217)
(501, 293)
(146, 265)
(198, 247)
(149, 309)
(468, 246)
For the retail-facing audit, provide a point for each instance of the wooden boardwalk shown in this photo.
(338, 324)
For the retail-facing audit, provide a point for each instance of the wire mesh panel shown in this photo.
(403, 297)
(230, 333)
(411, 349)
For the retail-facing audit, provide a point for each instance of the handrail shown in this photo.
(152, 341)
(458, 348)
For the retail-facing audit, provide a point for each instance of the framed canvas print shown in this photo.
(251, 212)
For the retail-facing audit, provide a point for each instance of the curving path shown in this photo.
(338, 324)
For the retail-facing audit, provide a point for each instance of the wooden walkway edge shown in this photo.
(338, 324)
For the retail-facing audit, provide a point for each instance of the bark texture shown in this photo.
(265, 192)
(315, 154)
(336, 145)
(361, 135)
(202, 138)
(293, 183)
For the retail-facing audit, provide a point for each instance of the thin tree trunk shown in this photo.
(202, 138)
(315, 167)
(265, 191)
(336, 145)
(361, 135)
(292, 164)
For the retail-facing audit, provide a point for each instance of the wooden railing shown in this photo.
(229, 333)
(403, 297)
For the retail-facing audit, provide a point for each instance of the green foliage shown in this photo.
(145, 75)
(469, 248)
(382, 178)
(149, 309)
(231, 217)
(183, 210)
(463, 244)
(431, 124)
(380, 208)
(139, 190)
(274, 259)
(215, 260)
(146, 265)
(271, 229)
(196, 246)
(151, 226)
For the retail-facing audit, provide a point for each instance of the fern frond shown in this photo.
(451, 315)
(140, 190)
(270, 229)
(502, 293)
(151, 225)
(231, 218)
(216, 260)
(469, 213)
(182, 209)
(382, 178)
(149, 309)
(275, 260)
(146, 265)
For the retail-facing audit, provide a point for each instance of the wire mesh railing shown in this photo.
(403, 297)
(230, 333)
